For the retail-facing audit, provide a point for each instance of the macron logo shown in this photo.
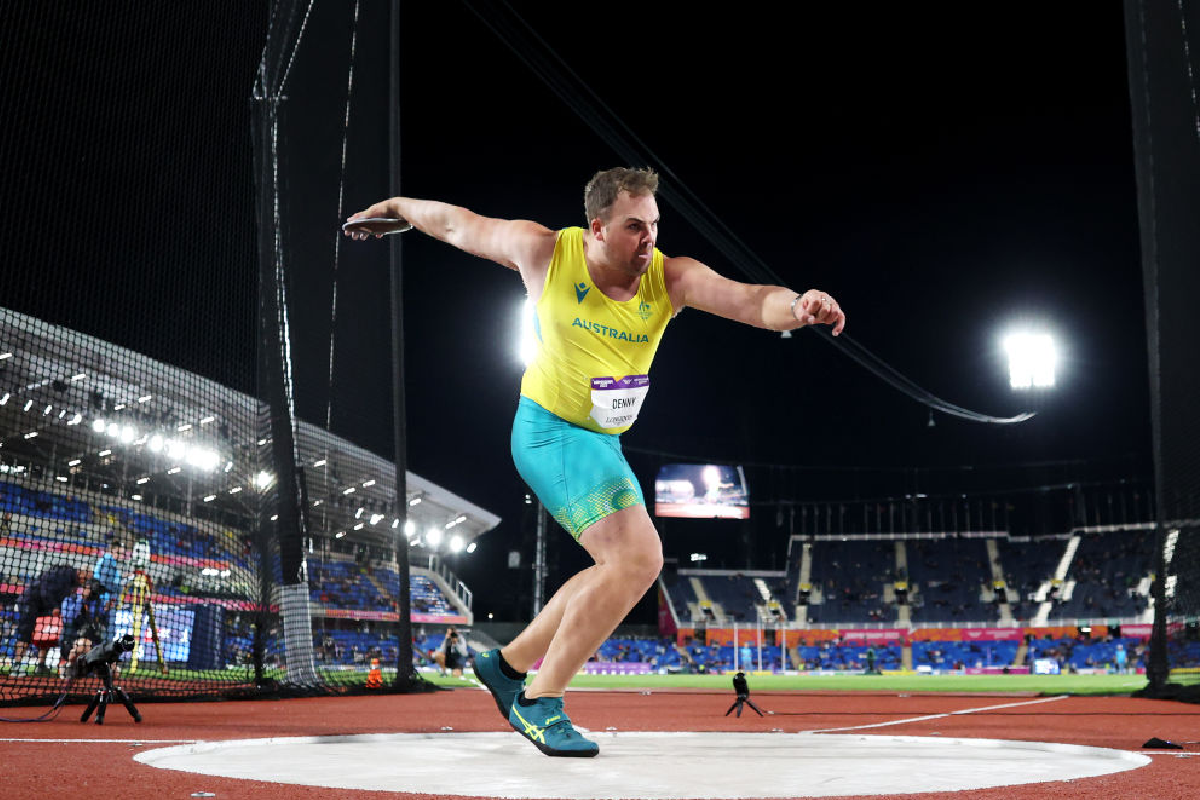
(581, 290)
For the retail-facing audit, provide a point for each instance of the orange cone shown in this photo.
(375, 675)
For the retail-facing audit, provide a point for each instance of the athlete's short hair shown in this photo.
(602, 190)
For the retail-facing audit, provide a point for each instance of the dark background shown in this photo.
(942, 171)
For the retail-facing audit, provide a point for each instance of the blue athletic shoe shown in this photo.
(503, 688)
(545, 724)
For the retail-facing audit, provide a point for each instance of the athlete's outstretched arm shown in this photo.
(691, 283)
(516, 244)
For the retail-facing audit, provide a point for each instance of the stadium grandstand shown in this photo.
(147, 486)
(109, 455)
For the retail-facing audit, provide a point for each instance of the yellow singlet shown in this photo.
(593, 353)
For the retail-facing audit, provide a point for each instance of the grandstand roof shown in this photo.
(74, 408)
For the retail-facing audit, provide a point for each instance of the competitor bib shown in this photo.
(617, 401)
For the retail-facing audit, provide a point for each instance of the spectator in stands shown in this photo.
(40, 599)
(564, 440)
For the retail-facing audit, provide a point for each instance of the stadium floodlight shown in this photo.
(456, 544)
(1032, 358)
(410, 528)
(471, 547)
(263, 480)
(155, 443)
(74, 462)
(433, 537)
(699, 557)
(142, 480)
(113, 429)
(28, 404)
(375, 518)
(128, 434)
(527, 334)
(360, 526)
(319, 463)
(176, 450)
(5, 355)
(174, 470)
(208, 498)
(137, 497)
(203, 458)
(4, 400)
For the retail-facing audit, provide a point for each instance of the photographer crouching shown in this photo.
(84, 620)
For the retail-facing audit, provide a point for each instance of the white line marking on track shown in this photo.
(940, 716)
(105, 741)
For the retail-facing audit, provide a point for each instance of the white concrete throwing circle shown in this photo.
(646, 765)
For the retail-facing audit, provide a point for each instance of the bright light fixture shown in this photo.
(1032, 358)
(527, 333)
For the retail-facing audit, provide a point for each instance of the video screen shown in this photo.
(174, 632)
(701, 491)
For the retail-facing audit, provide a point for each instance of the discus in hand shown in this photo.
(360, 229)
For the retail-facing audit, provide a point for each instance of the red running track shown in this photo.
(66, 759)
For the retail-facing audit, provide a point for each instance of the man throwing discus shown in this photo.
(603, 296)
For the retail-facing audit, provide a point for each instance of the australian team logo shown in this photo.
(581, 290)
(645, 310)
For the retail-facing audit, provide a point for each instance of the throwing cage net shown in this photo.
(184, 444)
(1164, 64)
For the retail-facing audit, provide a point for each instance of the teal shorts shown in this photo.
(579, 475)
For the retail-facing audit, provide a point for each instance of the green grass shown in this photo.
(1039, 684)
(889, 682)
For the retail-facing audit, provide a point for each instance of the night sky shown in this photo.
(942, 172)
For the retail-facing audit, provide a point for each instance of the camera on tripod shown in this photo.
(104, 654)
(742, 690)
(100, 660)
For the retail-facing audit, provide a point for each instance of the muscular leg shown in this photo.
(586, 610)
(533, 642)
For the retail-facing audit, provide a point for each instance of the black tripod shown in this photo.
(743, 700)
(105, 695)
(743, 695)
